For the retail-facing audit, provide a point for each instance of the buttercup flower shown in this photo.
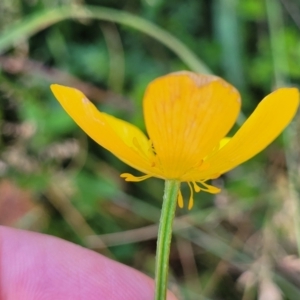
(187, 117)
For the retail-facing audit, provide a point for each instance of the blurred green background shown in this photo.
(243, 243)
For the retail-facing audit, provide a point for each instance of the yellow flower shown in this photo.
(187, 117)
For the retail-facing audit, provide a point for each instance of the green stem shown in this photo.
(164, 238)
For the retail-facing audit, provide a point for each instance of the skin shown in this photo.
(35, 266)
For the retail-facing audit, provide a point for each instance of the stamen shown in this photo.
(191, 200)
(180, 199)
(196, 187)
(209, 188)
(130, 177)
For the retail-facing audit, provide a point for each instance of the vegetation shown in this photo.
(243, 243)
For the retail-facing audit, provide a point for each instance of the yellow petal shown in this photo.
(123, 139)
(224, 142)
(131, 135)
(269, 119)
(186, 116)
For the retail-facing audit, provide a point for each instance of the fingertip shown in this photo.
(51, 268)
